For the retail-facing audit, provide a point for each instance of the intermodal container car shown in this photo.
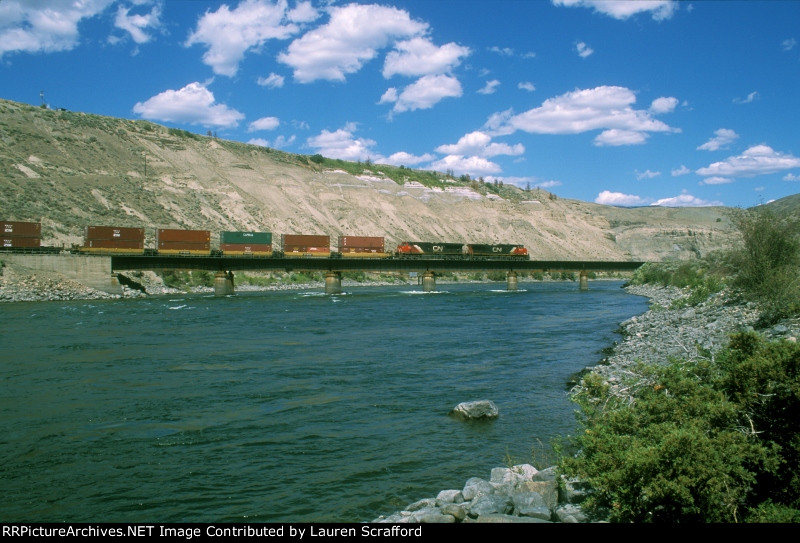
(424, 249)
(305, 245)
(21, 229)
(20, 242)
(114, 233)
(183, 236)
(250, 238)
(362, 247)
(246, 249)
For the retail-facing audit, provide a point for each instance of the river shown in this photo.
(284, 406)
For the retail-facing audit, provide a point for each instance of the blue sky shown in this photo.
(624, 102)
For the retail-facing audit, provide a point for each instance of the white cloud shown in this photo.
(264, 123)
(229, 34)
(788, 44)
(352, 37)
(279, 142)
(716, 181)
(193, 104)
(757, 160)
(425, 93)
(583, 49)
(303, 12)
(490, 87)
(480, 144)
(402, 158)
(344, 145)
(602, 108)
(527, 85)
(472, 165)
(722, 138)
(45, 25)
(663, 105)
(683, 170)
(647, 174)
(752, 97)
(525, 182)
(419, 56)
(136, 25)
(685, 200)
(791, 177)
(610, 198)
(505, 51)
(623, 9)
(272, 81)
(614, 137)
(258, 141)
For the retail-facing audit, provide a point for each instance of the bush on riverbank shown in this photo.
(703, 441)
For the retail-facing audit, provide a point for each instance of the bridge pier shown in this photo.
(428, 281)
(223, 284)
(511, 281)
(333, 282)
(584, 280)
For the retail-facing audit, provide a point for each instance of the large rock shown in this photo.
(477, 410)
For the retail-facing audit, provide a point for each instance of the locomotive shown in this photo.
(114, 240)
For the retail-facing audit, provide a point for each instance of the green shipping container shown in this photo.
(257, 238)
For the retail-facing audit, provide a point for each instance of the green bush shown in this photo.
(695, 441)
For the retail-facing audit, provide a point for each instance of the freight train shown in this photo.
(113, 240)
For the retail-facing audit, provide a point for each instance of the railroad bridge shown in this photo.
(224, 267)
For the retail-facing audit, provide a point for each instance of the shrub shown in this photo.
(696, 441)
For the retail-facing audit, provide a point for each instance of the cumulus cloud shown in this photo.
(193, 104)
(229, 34)
(604, 108)
(663, 105)
(685, 200)
(419, 56)
(716, 181)
(480, 144)
(137, 25)
(623, 9)
(788, 44)
(490, 87)
(343, 144)
(610, 198)
(683, 170)
(791, 177)
(722, 138)
(272, 81)
(264, 123)
(472, 165)
(647, 174)
(402, 158)
(583, 49)
(45, 25)
(526, 85)
(352, 36)
(757, 160)
(424, 93)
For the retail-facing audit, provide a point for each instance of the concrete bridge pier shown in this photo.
(428, 281)
(584, 280)
(333, 282)
(511, 281)
(223, 284)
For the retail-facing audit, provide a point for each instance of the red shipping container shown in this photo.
(184, 245)
(360, 242)
(186, 236)
(114, 233)
(245, 248)
(300, 243)
(13, 229)
(26, 242)
(113, 244)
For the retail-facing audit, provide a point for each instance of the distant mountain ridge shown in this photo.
(70, 170)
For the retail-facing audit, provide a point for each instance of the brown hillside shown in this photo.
(69, 170)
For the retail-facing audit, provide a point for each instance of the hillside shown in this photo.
(69, 170)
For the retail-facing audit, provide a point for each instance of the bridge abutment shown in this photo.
(584, 280)
(428, 281)
(511, 281)
(223, 284)
(333, 283)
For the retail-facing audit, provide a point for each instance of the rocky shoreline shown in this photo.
(667, 330)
